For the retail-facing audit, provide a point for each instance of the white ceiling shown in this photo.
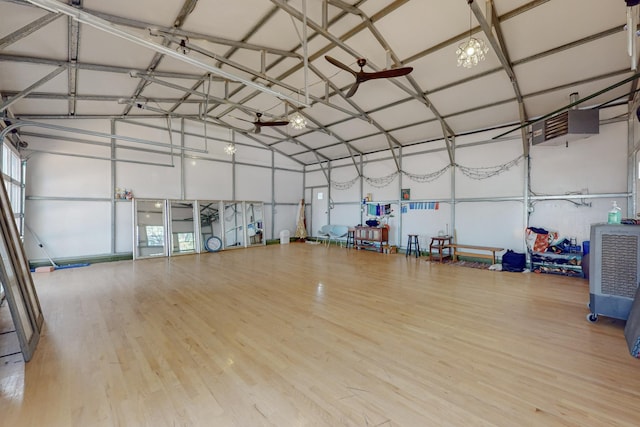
(552, 48)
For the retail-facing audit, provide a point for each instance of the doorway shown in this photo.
(319, 208)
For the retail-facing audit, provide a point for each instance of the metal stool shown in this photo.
(351, 238)
(413, 243)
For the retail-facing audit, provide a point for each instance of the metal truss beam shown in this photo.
(28, 29)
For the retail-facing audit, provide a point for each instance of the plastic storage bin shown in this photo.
(284, 237)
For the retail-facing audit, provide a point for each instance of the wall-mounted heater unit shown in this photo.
(568, 126)
(614, 270)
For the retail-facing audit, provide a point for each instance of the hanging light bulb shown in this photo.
(472, 51)
(230, 149)
(297, 121)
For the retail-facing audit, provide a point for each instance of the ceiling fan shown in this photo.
(258, 123)
(363, 76)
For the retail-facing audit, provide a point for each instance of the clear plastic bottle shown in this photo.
(615, 214)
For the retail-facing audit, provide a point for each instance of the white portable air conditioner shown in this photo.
(614, 270)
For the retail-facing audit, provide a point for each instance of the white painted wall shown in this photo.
(69, 198)
(79, 222)
(485, 212)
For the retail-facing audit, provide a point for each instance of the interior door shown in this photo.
(319, 209)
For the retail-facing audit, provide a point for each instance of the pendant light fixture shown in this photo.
(471, 52)
(230, 148)
(297, 120)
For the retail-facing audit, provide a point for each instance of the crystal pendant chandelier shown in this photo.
(297, 121)
(473, 50)
(230, 149)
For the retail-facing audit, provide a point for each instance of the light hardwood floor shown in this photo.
(304, 335)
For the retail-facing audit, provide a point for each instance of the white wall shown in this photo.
(595, 165)
(70, 203)
(491, 211)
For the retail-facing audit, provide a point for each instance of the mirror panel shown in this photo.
(234, 235)
(18, 305)
(210, 225)
(183, 232)
(255, 223)
(16, 281)
(21, 264)
(150, 228)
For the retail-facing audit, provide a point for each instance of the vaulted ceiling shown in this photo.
(223, 61)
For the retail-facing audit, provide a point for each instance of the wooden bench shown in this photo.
(456, 253)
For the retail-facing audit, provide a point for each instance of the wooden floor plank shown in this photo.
(301, 334)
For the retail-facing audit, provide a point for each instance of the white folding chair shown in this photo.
(323, 233)
(337, 232)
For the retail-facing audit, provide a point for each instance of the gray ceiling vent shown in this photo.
(568, 126)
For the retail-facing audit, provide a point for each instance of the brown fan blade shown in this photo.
(240, 118)
(384, 74)
(363, 76)
(278, 123)
(339, 64)
(259, 123)
(353, 89)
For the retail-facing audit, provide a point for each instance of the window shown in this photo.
(186, 242)
(12, 177)
(155, 235)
